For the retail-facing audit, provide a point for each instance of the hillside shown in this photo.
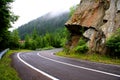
(46, 23)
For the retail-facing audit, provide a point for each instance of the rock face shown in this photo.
(99, 19)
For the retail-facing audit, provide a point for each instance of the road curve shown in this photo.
(44, 65)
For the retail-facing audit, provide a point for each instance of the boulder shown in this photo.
(98, 19)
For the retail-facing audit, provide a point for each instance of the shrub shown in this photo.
(81, 49)
(113, 43)
(81, 41)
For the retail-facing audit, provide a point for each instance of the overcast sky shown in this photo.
(32, 9)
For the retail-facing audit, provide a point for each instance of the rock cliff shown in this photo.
(98, 19)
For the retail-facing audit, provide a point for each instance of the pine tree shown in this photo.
(14, 40)
(27, 42)
(6, 17)
(34, 34)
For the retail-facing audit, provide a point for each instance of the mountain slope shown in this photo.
(46, 23)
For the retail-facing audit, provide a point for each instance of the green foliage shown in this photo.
(47, 48)
(6, 71)
(44, 24)
(114, 44)
(34, 34)
(48, 40)
(91, 57)
(65, 36)
(28, 42)
(14, 40)
(72, 10)
(4, 38)
(56, 40)
(81, 47)
(81, 41)
(6, 17)
(5, 14)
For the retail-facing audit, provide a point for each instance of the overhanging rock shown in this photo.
(99, 19)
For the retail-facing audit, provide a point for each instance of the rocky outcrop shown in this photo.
(99, 19)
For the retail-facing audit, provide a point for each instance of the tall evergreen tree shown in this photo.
(14, 40)
(6, 17)
(34, 34)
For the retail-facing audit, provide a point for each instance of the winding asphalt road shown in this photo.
(44, 65)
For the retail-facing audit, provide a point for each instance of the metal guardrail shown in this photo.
(3, 52)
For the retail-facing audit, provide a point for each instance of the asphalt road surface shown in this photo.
(44, 65)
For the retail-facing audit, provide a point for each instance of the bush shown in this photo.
(81, 42)
(113, 43)
(81, 49)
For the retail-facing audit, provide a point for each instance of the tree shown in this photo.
(6, 17)
(27, 42)
(4, 38)
(39, 42)
(57, 40)
(34, 34)
(14, 40)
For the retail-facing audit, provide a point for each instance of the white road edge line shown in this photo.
(94, 70)
(51, 77)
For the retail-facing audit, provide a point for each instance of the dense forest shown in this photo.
(46, 23)
(47, 41)
(47, 31)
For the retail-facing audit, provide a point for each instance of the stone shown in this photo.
(99, 19)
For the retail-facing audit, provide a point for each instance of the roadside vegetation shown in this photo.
(91, 57)
(7, 72)
(113, 43)
(80, 51)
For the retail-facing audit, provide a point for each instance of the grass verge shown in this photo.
(6, 71)
(91, 57)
